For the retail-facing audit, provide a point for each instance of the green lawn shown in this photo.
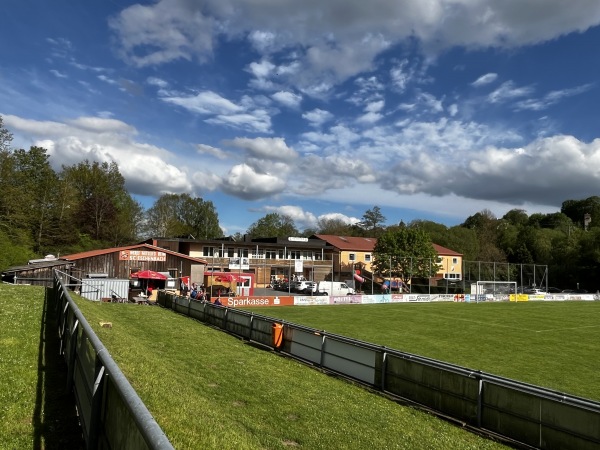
(550, 344)
(35, 411)
(210, 390)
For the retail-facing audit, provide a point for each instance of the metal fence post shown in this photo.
(96, 407)
(479, 401)
(72, 355)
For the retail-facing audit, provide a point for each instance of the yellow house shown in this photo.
(350, 253)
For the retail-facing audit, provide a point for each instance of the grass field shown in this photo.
(35, 411)
(550, 344)
(210, 390)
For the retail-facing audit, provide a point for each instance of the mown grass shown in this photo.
(210, 390)
(35, 410)
(550, 344)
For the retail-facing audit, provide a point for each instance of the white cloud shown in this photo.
(551, 98)
(206, 102)
(244, 182)
(485, 79)
(337, 39)
(317, 117)
(302, 219)
(143, 166)
(508, 91)
(204, 149)
(339, 216)
(288, 99)
(265, 148)
(158, 82)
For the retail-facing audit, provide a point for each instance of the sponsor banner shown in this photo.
(379, 298)
(557, 297)
(245, 301)
(398, 298)
(416, 297)
(344, 299)
(459, 298)
(518, 298)
(311, 300)
(142, 255)
(583, 297)
(445, 298)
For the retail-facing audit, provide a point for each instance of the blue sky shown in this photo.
(430, 110)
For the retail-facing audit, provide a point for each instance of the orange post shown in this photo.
(277, 335)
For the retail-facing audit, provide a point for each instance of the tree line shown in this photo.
(86, 206)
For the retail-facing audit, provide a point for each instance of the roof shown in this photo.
(445, 251)
(363, 244)
(38, 265)
(92, 253)
(349, 242)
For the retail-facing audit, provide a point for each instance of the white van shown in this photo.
(334, 288)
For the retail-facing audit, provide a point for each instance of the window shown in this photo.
(307, 255)
(243, 252)
(281, 254)
(294, 254)
(230, 252)
(172, 273)
(454, 260)
(259, 253)
(271, 254)
(352, 257)
(208, 251)
(367, 257)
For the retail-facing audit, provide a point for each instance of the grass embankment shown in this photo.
(549, 344)
(210, 390)
(35, 411)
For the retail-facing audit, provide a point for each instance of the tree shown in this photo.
(6, 137)
(372, 221)
(332, 226)
(487, 229)
(405, 252)
(273, 225)
(180, 215)
(102, 209)
(577, 209)
(517, 217)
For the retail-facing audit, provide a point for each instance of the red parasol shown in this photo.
(228, 277)
(149, 275)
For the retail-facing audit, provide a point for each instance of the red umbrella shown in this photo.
(228, 277)
(149, 275)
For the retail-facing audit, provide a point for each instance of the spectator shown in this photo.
(218, 302)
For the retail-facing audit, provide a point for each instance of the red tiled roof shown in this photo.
(149, 247)
(445, 251)
(349, 242)
(362, 244)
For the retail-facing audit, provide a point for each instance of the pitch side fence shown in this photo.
(523, 413)
(111, 413)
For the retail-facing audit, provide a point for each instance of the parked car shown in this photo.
(574, 291)
(334, 288)
(535, 291)
(311, 288)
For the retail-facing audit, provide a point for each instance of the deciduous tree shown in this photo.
(273, 225)
(405, 252)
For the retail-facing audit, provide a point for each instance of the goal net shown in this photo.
(490, 291)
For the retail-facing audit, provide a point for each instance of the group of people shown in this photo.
(199, 293)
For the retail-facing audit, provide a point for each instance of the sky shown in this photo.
(317, 109)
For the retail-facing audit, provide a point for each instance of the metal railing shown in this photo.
(522, 413)
(111, 413)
